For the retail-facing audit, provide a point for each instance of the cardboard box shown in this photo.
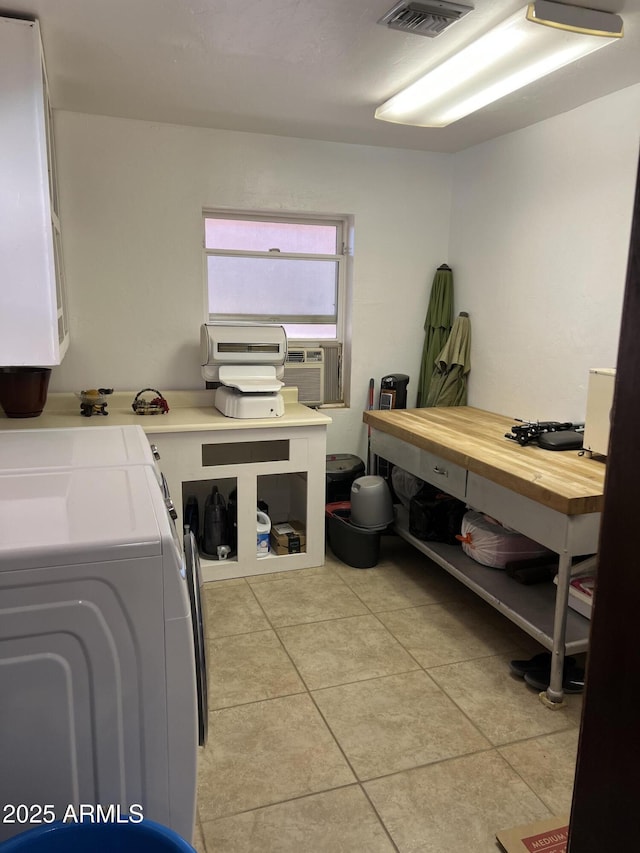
(543, 836)
(288, 537)
(581, 594)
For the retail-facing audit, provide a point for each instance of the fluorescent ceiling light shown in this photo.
(535, 41)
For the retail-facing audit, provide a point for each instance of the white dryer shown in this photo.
(102, 669)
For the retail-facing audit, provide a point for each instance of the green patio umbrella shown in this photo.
(449, 381)
(437, 326)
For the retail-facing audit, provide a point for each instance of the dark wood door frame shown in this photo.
(605, 811)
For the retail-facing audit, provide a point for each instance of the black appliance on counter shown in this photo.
(393, 391)
(393, 395)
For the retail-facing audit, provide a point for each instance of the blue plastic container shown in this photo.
(144, 837)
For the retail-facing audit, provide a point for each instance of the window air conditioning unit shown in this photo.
(304, 368)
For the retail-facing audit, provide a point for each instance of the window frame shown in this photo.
(340, 259)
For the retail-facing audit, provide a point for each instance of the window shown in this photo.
(282, 269)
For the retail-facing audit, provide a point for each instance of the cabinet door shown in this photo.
(56, 230)
(445, 475)
(33, 327)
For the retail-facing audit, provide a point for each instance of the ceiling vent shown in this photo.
(424, 19)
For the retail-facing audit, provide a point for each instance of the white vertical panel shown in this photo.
(28, 305)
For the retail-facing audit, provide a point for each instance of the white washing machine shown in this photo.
(102, 652)
(75, 447)
(80, 447)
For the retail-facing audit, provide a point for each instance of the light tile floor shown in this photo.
(370, 711)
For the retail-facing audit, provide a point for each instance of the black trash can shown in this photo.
(342, 470)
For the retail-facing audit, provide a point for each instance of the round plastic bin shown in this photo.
(371, 503)
(144, 837)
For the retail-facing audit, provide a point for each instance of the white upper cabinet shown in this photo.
(33, 322)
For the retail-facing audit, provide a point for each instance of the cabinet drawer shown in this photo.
(448, 476)
(395, 450)
(427, 466)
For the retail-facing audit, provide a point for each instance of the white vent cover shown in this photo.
(424, 19)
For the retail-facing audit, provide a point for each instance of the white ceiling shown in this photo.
(307, 68)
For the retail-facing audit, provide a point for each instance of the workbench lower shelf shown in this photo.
(531, 607)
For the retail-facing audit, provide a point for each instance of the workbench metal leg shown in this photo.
(555, 692)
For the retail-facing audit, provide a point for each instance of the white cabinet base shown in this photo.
(240, 458)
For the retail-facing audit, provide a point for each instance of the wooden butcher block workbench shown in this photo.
(554, 497)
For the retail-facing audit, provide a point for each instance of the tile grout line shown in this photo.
(309, 691)
(328, 727)
(524, 781)
(388, 630)
(298, 798)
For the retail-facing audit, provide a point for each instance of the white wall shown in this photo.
(132, 195)
(539, 245)
(539, 229)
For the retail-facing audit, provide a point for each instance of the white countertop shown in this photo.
(189, 411)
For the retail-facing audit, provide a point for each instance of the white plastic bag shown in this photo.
(490, 543)
(405, 485)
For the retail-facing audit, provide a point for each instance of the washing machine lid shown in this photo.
(52, 518)
(87, 446)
